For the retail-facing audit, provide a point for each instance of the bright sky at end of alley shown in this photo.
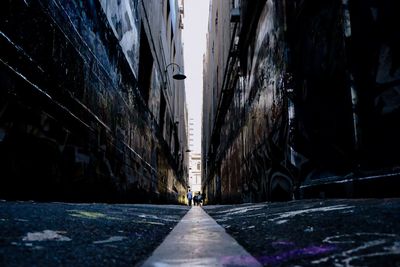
(194, 39)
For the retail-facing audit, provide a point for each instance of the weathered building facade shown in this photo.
(88, 106)
(300, 94)
(195, 172)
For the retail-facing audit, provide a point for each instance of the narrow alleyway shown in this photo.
(282, 116)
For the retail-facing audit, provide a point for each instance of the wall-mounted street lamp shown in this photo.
(179, 75)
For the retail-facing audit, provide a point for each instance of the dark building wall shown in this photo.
(341, 54)
(297, 103)
(246, 146)
(81, 87)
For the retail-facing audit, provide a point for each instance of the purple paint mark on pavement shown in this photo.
(295, 253)
(238, 261)
(277, 258)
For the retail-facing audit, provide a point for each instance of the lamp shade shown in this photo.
(179, 76)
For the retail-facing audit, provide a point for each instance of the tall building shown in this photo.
(194, 161)
(301, 98)
(195, 172)
(92, 105)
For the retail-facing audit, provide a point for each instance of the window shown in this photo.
(145, 65)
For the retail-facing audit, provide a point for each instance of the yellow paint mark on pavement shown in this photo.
(91, 215)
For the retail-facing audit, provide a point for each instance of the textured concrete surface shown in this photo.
(342, 232)
(199, 241)
(66, 234)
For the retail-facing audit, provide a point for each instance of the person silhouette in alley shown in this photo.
(199, 199)
(195, 201)
(190, 196)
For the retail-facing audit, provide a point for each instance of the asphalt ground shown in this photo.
(343, 232)
(364, 232)
(61, 234)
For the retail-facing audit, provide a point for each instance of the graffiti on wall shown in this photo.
(71, 111)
